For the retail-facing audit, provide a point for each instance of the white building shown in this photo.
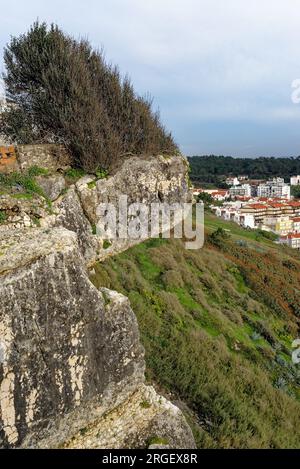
(296, 224)
(292, 240)
(242, 190)
(232, 181)
(295, 180)
(274, 188)
(247, 220)
(220, 195)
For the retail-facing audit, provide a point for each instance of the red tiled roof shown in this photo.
(256, 206)
(294, 203)
(291, 236)
(219, 193)
(275, 205)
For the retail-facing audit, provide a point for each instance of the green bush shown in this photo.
(106, 244)
(295, 191)
(24, 182)
(74, 173)
(37, 171)
(3, 216)
(64, 91)
(218, 237)
(101, 173)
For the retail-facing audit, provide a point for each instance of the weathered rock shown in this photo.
(49, 156)
(22, 210)
(52, 185)
(145, 417)
(70, 355)
(161, 179)
(68, 352)
(155, 179)
(67, 212)
(86, 190)
(141, 179)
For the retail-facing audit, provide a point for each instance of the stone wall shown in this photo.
(49, 156)
(21, 157)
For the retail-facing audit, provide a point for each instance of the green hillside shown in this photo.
(217, 325)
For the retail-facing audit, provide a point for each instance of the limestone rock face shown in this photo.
(68, 351)
(156, 179)
(67, 212)
(87, 193)
(52, 185)
(161, 179)
(140, 179)
(71, 362)
(144, 420)
(21, 212)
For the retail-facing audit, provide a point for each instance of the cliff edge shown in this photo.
(71, 362)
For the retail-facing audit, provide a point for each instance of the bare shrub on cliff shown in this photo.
(64, 91)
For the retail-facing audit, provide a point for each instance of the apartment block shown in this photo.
(274, 188)
(243, 190)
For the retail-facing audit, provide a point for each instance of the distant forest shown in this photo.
(213, 169)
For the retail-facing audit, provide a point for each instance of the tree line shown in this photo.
(214, 169)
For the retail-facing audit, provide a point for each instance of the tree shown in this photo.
(218, 237)
(63, 91)
(295, 191)
(214, 169)
(206, 198)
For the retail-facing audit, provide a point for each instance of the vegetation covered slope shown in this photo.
(217, 325)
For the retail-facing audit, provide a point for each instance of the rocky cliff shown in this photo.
(71, 362)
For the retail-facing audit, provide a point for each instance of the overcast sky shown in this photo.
(219, 70)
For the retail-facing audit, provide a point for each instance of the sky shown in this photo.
(220, 71)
